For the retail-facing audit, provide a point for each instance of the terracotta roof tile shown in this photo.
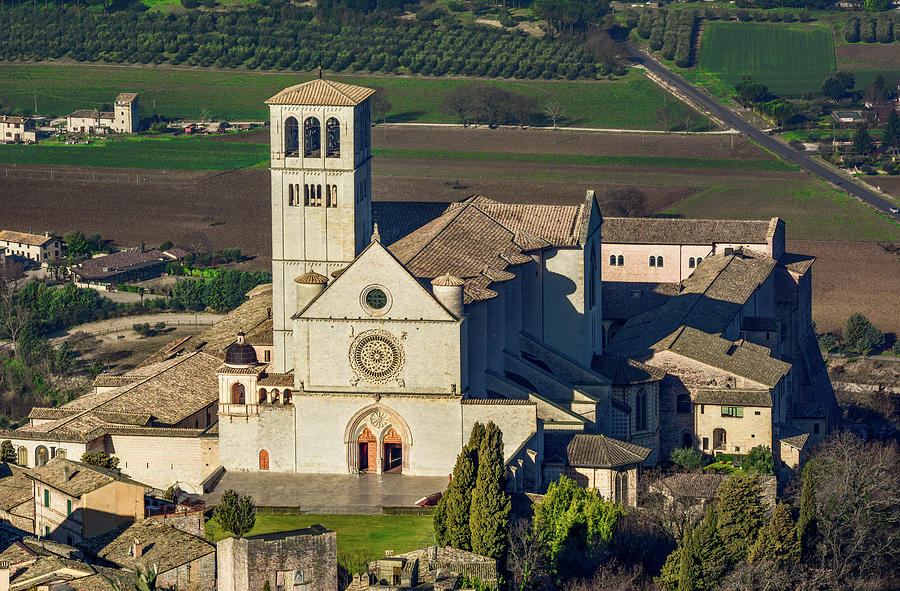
(24, 238)
(81, 478)
(686, 231)
(322, 92)
(164, 546)
(592, 451)
(733, 397)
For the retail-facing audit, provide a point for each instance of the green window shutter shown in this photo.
(68, 506)
(46, 497)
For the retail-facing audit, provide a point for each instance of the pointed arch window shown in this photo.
(592, 300)
(332, 138)
(291, 137)
(312, 138)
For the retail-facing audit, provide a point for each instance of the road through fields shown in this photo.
(737, 122)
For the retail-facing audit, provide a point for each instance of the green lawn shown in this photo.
(365, 536)
(168, 153)
(207, 153)
(589, 160)
(629, 102)
(789, 58)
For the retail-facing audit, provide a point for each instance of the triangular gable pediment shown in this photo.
(376, 267)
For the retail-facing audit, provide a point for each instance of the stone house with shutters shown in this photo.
(33, 247)
(75, 501)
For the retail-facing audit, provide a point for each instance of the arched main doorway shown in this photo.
(393, 452)
(368, 450)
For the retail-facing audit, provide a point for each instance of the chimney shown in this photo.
(448, 290)
(309, 285)
(729, 251)
(137, 549)
(4, 576)
(67, 473)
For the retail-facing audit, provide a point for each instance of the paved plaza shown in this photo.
(329, 493)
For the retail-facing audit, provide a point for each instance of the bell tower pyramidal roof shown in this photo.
(322, 92)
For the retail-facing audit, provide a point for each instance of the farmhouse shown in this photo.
(596, 345)
(32, 247)
(15, 130)
(125, 118)
(108, 271)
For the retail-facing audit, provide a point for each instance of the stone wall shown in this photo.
(244, 564)
(163, 461)
(198, 575)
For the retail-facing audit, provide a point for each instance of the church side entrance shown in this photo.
(368, 449)
(393, 452)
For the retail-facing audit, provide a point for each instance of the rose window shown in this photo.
(376, 356)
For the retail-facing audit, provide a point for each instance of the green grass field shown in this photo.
(206, 153)
(183, 153)
(789, 59)
(360, 535)
(630, 102)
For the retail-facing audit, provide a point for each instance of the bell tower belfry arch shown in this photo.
(320, 141)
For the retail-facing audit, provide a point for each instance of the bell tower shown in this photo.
(321, 155)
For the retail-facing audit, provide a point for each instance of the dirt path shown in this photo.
(126, 322)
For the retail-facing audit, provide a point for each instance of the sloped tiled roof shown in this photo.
(686, 231)
(708, 301)
(621, 371)
(126, 97)
(478, 239)
(793, 436)
(583, 450)
(164, 546)
(15, 486)
(81, 479)
(322, 92)
(112, 264)
(24, 238)
(727, 397)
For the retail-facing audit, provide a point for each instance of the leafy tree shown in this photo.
(851, 30)
(837, 85)
(235, 513)
(861, 334)
(890, 139)
(574, 524)
(100, 459)
(189, 294)
(8, 452)
(777, 541)
(687, 457)
(490, 507)
(862, 141)
(760, 460)
(826, 341)
(740, 514)
(876, 5)
(750, 92)
(853, 488)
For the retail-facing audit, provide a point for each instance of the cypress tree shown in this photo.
(699, 561)
(777, 541)
(740, 514)
(489, 516)
(806, 520)
(454, 506)
(689, 565)
(891, 137)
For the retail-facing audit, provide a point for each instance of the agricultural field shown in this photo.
(790, 59)
(867, 60)
(853, 277)
(629, 102)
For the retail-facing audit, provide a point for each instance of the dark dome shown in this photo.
(240, 353)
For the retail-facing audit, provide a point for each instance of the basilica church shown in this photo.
(597, 345)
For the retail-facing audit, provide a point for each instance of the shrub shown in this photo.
(826, 341)
(688, 458)
(456, 6)
(189, 4)
(759, 460)
(100, 459)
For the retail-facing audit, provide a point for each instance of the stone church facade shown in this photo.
(597, 346)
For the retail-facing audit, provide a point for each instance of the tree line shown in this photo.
(260, 38)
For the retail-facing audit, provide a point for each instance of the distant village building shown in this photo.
(125, 118)
(74, 501)
(299, 560)
(33, 247)
(108, 271)
(426, 569)
(15, 130)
